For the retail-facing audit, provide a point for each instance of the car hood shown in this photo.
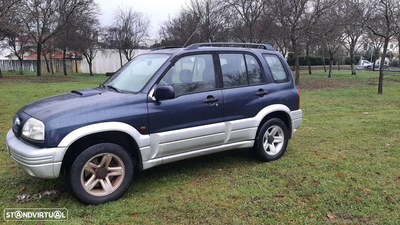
(76, 100)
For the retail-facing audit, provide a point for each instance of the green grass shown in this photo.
(341, 167)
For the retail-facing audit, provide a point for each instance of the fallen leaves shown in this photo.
(330, 217)
(279, 195)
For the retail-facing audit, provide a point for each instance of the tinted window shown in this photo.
(276, 67)
(233, 70)
(240, 70)
(254, 70)
(189, 74)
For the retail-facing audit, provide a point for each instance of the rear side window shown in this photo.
(240, 70)
(275, 65)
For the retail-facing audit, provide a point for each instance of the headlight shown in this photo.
(33, 129)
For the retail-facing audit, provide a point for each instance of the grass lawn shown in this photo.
(341, 167)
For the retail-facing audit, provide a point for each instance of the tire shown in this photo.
(101, 173)
(271, 140)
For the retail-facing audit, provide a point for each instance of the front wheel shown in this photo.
(101, 173)
(271, 140)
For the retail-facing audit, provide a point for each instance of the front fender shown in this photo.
(141, 140)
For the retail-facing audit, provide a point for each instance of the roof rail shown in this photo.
(164, 47)
(230, 44)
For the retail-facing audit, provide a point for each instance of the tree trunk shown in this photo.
(1, 73)
(64, 63)
(21, 69)
(296, 63)
(374, 59)
(76, 62)
(120, 56)
(90, 68)
(308, 59)
(38, 58)
(380, 85)
(352, 60)
(51, 64)
(47, 62)
(330, 67)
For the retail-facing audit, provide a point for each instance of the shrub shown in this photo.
(314, 60)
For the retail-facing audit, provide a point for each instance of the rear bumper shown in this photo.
(297, 118)
(37, 162)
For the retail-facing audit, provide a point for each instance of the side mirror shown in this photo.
(163, 93)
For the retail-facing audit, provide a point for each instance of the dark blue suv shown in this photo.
(166, 105)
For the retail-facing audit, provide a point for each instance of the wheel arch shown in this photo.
(115, 137)
(281, 112)
(112, 132)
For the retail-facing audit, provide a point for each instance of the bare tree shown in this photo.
(45, 18)
(250, 20)
(375, 43)
(210, 19)
(331, 33)
(87, 41)
(382, 19)
(180, 30)
(67, 38)
(7, 9)
(128, 32)
(353, 28)
(295, 18)
(19, 46)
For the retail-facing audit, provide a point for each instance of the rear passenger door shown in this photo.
(244, 86)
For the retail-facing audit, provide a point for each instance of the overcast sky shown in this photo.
(157, 10)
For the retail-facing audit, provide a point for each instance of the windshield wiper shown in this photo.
(112, 87)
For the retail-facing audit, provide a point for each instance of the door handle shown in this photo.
(210, 99)
(261, 92)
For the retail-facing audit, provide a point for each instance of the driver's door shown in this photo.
(194, 118)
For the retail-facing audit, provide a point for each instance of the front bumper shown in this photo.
(37, 162)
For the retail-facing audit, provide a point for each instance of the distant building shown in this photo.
(369, 45)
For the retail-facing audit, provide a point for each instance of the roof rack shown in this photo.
(230, 44)
(164, 47)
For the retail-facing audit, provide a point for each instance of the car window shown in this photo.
(135, 74)
(194, 73)
(254, 70)
(233, 70)
(276, 67)
(240, 70)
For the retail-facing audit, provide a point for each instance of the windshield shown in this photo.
(135, 75)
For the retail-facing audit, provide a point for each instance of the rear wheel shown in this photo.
(271, 140)
(101, 173)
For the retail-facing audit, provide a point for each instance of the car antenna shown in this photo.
(190, 37)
